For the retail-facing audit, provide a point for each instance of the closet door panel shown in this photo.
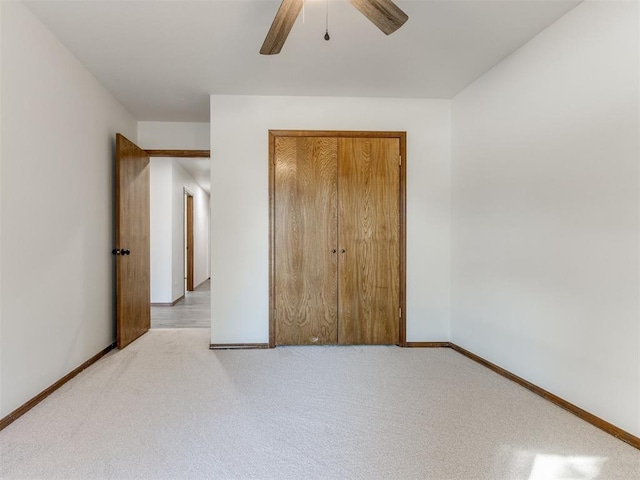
(368, 232)
(306, 240)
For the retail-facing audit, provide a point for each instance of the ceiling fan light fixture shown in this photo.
(384, 14)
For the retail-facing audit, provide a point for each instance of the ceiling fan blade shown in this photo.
(281, 26)
(384, 14)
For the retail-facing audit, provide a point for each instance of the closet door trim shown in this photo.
(402, 137)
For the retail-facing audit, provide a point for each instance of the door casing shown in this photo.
(402, 137)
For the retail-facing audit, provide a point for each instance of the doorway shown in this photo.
(180, 209)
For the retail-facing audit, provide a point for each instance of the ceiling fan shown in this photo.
(384, 14)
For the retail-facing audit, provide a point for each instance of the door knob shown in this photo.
(342, 251)
(333, 251)
(126, 252)
(115, 251)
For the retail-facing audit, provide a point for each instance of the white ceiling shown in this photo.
(162, 59)
(199, 169)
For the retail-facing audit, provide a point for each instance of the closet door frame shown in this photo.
(402, 138)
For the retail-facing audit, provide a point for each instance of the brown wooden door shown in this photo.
(132, 241)
(369, 244)
(189, 228)
(305, 240)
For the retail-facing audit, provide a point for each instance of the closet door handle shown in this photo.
(343, 251)
(333, 251)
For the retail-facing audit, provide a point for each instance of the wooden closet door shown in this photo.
(305, 240)
(369, 245)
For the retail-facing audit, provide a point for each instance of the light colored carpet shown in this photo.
(167, 407)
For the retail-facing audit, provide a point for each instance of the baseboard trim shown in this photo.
(237, 346)
(168, 304)
(562, 403)
(201, 283)
(21, 410)
(427, 344)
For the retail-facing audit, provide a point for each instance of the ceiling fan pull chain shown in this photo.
(326, 32)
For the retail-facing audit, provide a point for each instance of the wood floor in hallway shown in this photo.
(193, 311)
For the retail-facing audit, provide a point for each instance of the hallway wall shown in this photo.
(161, 233)
(181, 181)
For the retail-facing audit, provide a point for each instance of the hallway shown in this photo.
(193, 311)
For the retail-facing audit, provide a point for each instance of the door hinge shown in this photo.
(400, 161)
(400, 312)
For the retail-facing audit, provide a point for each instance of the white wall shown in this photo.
(1, 150)
(58, 128)
(160, 183)
(181, 181)
(201, 240)
(240, 215)
(174, 135)
(545, 239)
